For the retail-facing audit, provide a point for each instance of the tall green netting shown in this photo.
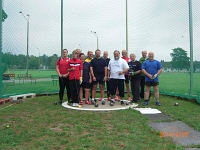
(161, 26)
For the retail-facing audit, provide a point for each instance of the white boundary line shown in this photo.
(65, 104)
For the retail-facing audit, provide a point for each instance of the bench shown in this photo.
(10, 77)
(54, 78)
(26, 77)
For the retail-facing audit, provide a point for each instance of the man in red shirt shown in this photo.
(75, 77)
(125, 57)
(61, 68)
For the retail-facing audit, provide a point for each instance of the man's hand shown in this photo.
(93, 78)
(132, 73)
(90, 80)
(150, 76)
(105, 78)
(81, 80)
(155, 75)
(121, 72)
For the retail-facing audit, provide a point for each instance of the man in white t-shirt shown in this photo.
(116, 69)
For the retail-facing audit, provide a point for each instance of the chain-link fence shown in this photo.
(32, 39)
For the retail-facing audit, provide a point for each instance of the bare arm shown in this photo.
(147, 74)
(105, 70)
(92, 74)
(123, 71)
(91, 71)
(58, 71)
(159, 71)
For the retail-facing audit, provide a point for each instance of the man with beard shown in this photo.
(117, 67)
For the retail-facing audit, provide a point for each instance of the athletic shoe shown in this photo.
(157, 103)
(81, 103)
(116, 98)
(88, 102)
(109, 98)
(145, 103)
(74, 104)
(93, 101)
(129, 98)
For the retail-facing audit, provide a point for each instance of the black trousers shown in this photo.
(142, 86)
(64, 83)
(74, 89)
(135, 88)
(107, 87)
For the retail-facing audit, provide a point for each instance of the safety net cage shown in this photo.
(34, 33)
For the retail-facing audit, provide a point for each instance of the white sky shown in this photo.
(153, 25)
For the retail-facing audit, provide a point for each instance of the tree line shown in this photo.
(11, 61)
(179, 61)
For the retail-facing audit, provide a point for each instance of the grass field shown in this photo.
(178, 83)
(39, 124)
(35, 73)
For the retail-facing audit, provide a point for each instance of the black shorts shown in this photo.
(127, 79)
(98, 80)
(151, 83)
(85, 85)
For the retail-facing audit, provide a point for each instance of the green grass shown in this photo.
(39, 124)
(179, 82)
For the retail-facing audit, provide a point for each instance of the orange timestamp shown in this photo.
(174, 134)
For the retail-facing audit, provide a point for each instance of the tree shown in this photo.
(33, 62)
(180, 60)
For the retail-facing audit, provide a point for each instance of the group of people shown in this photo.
(81, 74)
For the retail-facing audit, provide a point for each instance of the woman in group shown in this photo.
(85, 85)
(61, 68)
(75, 77)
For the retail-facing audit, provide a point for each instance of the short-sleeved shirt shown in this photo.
(63, 65)
(115, 66)
(107, 61)
(142, 59)
(133, 67)
(98, 67)
(127, 59)
(152, 68)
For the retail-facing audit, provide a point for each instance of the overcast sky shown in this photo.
(153, 25)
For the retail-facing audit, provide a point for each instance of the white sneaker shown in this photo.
(74, 104)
